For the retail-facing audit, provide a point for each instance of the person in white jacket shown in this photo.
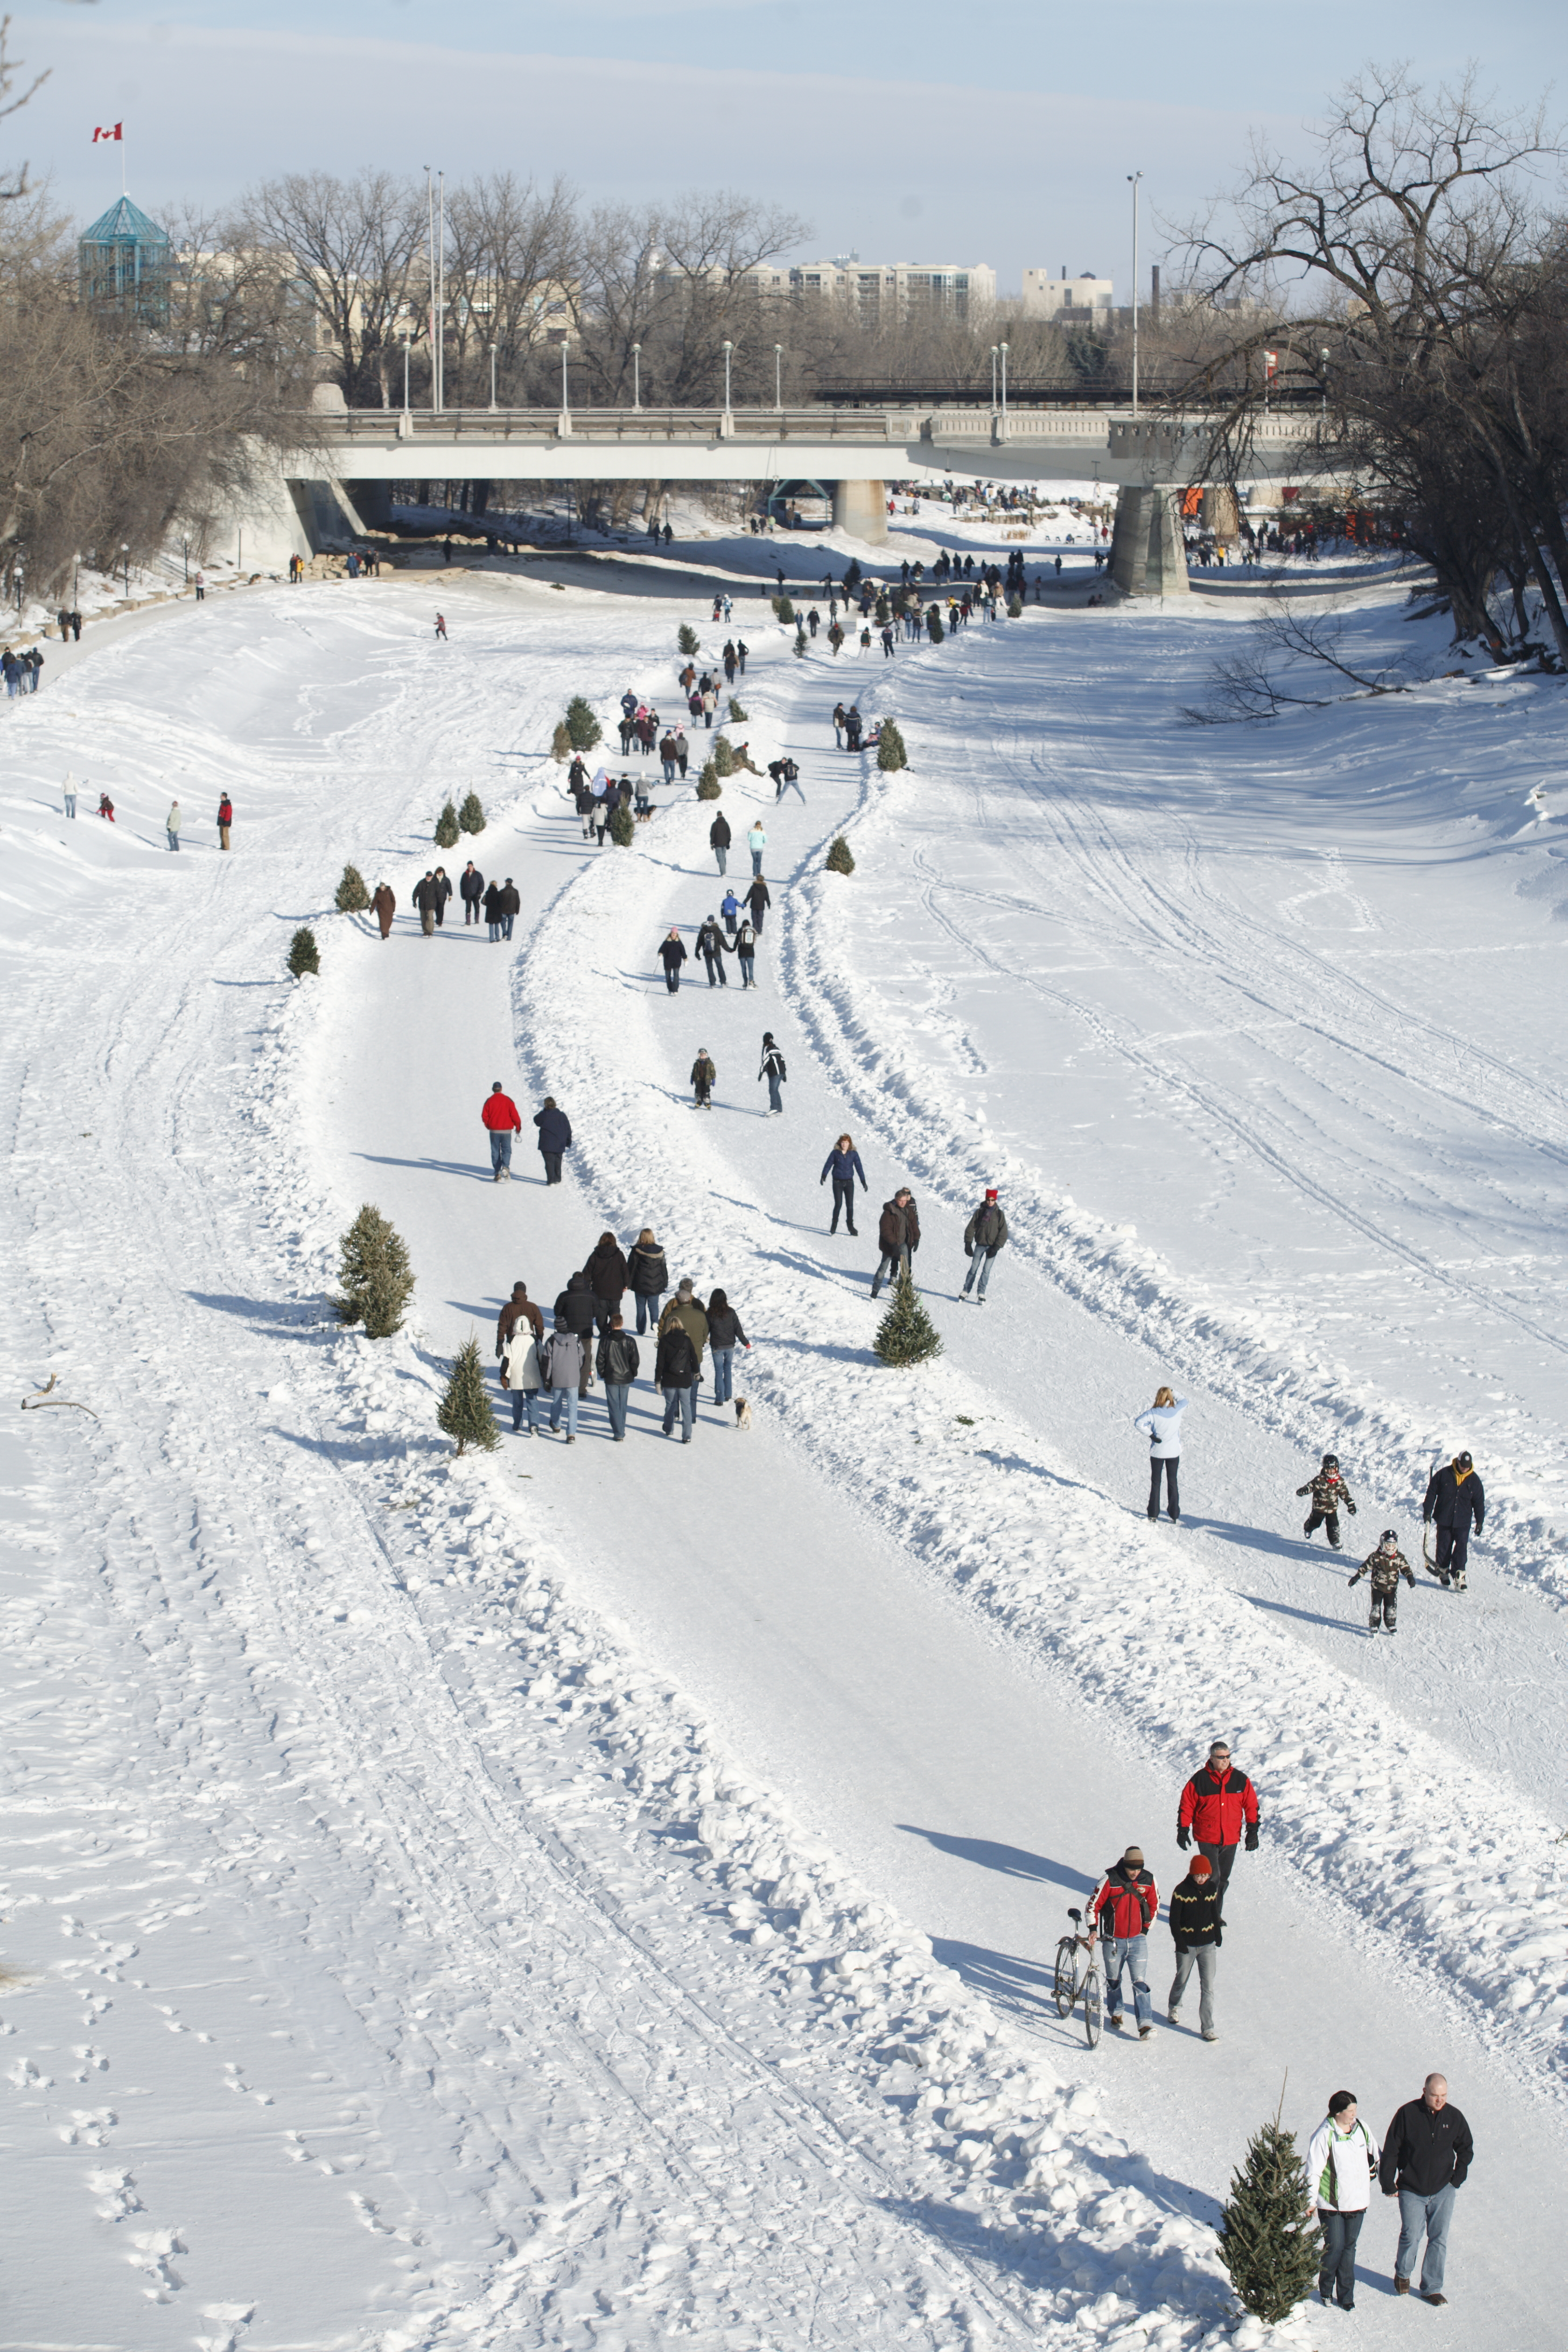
(1163, 1426)
(521, 1373)
(1342, 2164)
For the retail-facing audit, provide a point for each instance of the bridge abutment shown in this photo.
(1148, 553)
(861, 510)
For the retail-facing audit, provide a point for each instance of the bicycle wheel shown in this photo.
(1092, 2006)
(1066, 1987)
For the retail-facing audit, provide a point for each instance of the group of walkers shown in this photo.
(21, 671)
(589, 1336)
(497, 903)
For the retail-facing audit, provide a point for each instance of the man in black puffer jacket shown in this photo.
(1195, 1925)
(1454, 1499)
(576, 1305)
(1426, 2153)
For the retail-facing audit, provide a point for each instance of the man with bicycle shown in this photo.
(1123, 1910)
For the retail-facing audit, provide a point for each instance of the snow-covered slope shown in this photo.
(594, 1896)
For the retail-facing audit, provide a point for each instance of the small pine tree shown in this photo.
(464, 1411)
(1015, 608)
(724, 756)
(890, 753)
(471, 816)
(622, 826)
(907, 1336)
(800, 646)
(561, 744)
(447, 828)
(708, 785)
(739, 717)
(583, 730)
(375, 1274)
(686, 638)
(934, 629)
(784, 609)
(353, 897)
(840, 860)
(303, 955)
(1269, 2240)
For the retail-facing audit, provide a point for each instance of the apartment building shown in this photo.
(885, 289)
(1082, 301)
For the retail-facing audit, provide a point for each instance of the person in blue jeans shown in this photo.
(773, 1070)
(1342, 2164)
(1122, 1913)
(648, 1271)
(565, 1374)
(843, 1162)
(676, 1371)
(1426, 2153)
(616, 1363)
(984, 1236)
(724, 1332)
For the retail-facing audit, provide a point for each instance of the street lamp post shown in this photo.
(566, 398)
(405, 333)
(728, 349)
(125, 562)
(1323, 367)
(993, 376)
(636, 375)
(1133, 180)
(1003, 349)
(778, 377)
(492, 375)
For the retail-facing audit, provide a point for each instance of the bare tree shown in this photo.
(510, 250)
(9, 68)
(350, 248)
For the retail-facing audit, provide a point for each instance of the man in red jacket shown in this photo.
(1123, 1909)
(500, 1115)
(1216, 1804)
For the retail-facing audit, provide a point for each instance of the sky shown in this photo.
(914, 132)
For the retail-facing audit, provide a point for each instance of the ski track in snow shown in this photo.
(581, 2035)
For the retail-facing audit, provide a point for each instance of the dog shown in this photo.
(742, 1414)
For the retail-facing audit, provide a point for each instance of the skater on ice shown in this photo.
(1330, 1496)
(1385, 1566)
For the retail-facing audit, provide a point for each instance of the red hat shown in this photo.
(992, 1194)
(1200, 1867)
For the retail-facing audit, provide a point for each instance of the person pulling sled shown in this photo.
(1385, 1566)
(1330, 1496)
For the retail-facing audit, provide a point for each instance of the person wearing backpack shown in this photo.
(1342, 2164)
(563, 1362)
(522, 1372)
(746, 953)
(677, 1370)
(772, 1069)
(617, 1364)
(984, 1236)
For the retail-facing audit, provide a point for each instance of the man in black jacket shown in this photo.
(719, 839)
(676, 1371)
(1454, 1499)
(711, 949)
(576, 1308)
(1195, 1925)
(471, 890)
(617, 1367)
(554, 1138)
(1426, 2153)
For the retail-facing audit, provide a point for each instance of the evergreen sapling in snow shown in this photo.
(377, 1279)
(1268, 2238)
(907, 1335)
(708, 785)
(840, 860)
(471, 816)
(582, 727)
(447, 828)
(724, 756)
(1015, 608)
(686, 638)
(740, 716)
(622, 826)
(890, 753)
(353, 897)
(561, 744)
(302, 953)
(784, 609)
(464, 1411)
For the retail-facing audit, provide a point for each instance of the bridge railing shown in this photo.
(622, 425)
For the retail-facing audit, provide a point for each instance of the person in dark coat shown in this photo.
(554, 1138)
(606, 1273)
(383, 906)
(672, 955)
(1195, 1925)
(442, 891)
(704, 1079)
(1455, 1497)
(518, 1308)
(649, 1274)
(772, 1069)
(843, 1162)
(492, 909)
(576, 1308)
(984, 1236)
(510, 905)
(898, 1232)
(1218, 1808)
(724, 1335)
(719, 839)
(711, 947)
(616, 1363)
(1426, 2153)
(676, 1371)
(746, 953)
(426, 899)
(470, 889)
(758, 900)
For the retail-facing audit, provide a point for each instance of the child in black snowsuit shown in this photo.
(1330, 1496)
(1385, 1566)
(703, 1078)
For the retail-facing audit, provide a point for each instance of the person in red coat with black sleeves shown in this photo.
(500, 1116)
(1218, 1804)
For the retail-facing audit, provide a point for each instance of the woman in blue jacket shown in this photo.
(844, 1162)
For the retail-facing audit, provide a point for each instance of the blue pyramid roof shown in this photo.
(125, 224)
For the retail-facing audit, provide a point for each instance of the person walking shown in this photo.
(1122, 1912)
(984, 1236)
(606, 1273)
(224, 819)
(554, 1138)
(728, 915)
(564, 1361)
(746, 954)
(711, 947)
(898, 1232)
(518, 1308)
(759, 900)
(441, 890)
(843, 1164)
(1426, 2155)
(441, 632)
(839, 726)
(1195, 1925)
(578, 1308)
(1217, 1805)
(500, 1115)
(470, 889)
(201, 598)
(678, 1368)
(649, 1274)
(772, 1069)
(1330, 1496)
(426, 899)
(511, 906)
(1455, 1497)
(723, 1334)
(616, 1363)
(68, 793)
(1385, 1566)
(1162, 1424)
(1342, 2164)
(704, 1079)
(492, 909)
(719, 839)
(757, 842)
(383, 906)
(522, 1373)
(172, 825)
(672, 955)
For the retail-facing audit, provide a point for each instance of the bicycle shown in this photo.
(1070, 1984)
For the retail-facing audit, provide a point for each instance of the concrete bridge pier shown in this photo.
(861, 510)
(1148, 553)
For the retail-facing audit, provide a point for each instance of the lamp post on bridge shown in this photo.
(636, 375)
(1133, 180)
(405, 333)
(566, 398)
(728, 349)
(778, 377)
(993, 378)
(492, 375)
(1003, 349)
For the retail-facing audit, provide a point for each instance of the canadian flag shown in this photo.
(116, 134)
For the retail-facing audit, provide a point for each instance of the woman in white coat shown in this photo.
(519, 1374)
(1342, 2164)
(1162, 1426)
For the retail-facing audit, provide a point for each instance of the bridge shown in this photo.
(853, 451)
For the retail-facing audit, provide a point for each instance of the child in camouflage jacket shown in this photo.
(1330, 1496)
(1385, 1566)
